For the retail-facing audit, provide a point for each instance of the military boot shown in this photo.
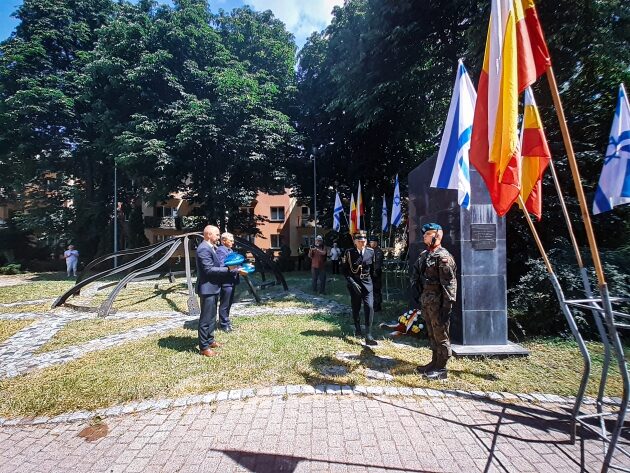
(357, 326)
(369, 340)
(439, 370)
(429, 366)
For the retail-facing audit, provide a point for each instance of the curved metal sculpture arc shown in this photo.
(74, 290)
(130, 251)
(106, 306)
(262, 256)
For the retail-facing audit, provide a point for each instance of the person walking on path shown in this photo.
(357, 267)
(229, 286)
(377, 275)
(318, 255)
(210, 276)
(72, 260)
(434, 288)
(335, 257)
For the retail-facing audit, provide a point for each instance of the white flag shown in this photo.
(452, 168)
(396, 208)
(384, 219)
(337, 213)
(614, 183)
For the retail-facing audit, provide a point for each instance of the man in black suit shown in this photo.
(357, 267)
(210, 276)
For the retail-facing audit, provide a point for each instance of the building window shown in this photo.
(306, 211)
(276, 241)
(159, 238)
(277, 214)
(309, 241)
(162, 211)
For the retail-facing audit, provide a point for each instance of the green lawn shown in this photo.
(268, 350)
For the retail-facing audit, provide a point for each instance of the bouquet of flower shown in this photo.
(407, 324)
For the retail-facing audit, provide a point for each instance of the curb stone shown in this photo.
(289, 390)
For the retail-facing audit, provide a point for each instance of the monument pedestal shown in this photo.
(476, 239)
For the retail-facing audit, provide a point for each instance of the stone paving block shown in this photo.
(375, 390)
(278, 390)
(346, 390)
(307, 389)
(293, 389)
(222, 396)
(333, 389)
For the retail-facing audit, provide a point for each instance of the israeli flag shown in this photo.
(337, 213)
(396, 207)
(452, 169)
(614, 183)
(384, 219)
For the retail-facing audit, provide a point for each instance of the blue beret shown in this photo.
(233, 259)
(430, 226)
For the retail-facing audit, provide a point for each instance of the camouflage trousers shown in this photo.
(438, 326)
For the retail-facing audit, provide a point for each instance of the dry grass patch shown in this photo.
(33, 290)
(37, 308)
(81, 331)
(8, 328)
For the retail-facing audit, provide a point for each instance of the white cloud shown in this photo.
(300, 17)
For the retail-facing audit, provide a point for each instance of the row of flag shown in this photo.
(482, 127)
(357, 211)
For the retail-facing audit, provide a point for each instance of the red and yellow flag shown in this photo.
(516, 55)
(353, 216)
(360, 207)
(536, 156)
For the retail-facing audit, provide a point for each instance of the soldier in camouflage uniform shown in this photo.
(434, 288)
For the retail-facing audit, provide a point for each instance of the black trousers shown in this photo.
(377, 281)
(366, 299)
(335, 266)
(227, 297)
(207, 320)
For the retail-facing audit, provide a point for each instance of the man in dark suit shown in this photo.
(229, 286)
(210, 275)
(357, 267)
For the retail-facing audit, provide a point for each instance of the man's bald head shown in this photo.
(211, 234)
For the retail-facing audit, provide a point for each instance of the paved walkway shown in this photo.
(316, 433)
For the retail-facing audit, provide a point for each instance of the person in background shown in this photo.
(335, 257)
(72, 260)
(228, 287)
(377, 274)
(318, 255)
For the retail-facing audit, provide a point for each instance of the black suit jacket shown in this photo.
(210, 273)
(359, 267)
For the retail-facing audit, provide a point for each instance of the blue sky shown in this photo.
(301, 17)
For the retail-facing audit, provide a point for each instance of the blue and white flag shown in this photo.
(337, 213)
(614, 183)
(384, 219)
(396, 208)
(452, 169)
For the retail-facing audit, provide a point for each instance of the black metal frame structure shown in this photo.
(150, 258)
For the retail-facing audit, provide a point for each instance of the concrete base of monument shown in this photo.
(499, 351)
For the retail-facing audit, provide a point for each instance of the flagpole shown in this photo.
(567, 313)
(586, 217)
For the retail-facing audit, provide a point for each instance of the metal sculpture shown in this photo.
(149, 258)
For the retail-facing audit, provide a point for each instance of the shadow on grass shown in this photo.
(181, 344)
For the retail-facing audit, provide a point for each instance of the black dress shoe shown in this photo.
(370, 341)
(227, 329)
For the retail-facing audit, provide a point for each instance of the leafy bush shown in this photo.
(533, 303)
(10, 269)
